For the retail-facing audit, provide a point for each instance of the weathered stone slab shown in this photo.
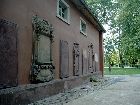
(84, 61)
(64, 59)
(42, 66)
(76, 57)
(8, 54)
(91, 60)
(44, 49)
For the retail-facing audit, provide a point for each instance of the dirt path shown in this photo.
(126, 91)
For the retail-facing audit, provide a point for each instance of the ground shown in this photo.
(125, 91)
(113, 89)
(96, 84)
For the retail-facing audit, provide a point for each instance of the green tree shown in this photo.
(109, 49)
(129, 22)
(114, 58)
(123, 17)
(105, 10)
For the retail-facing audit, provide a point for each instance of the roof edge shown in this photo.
(93, 15)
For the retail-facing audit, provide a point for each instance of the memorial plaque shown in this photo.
(84, 62)
(93, 57)
(44, 49)
(42, 66)
(91, 61)
(96, 62)
(76, 55)
(8, 54)
(64, 59)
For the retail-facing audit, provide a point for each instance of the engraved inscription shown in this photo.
(44, 49)
(42, 66)
(91, 61)
(76, 55)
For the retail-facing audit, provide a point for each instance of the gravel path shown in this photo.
(125, 90)
(79, 92)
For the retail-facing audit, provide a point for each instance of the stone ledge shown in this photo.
(75, 93)
(32, 92)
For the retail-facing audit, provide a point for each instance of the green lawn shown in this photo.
(121, 71)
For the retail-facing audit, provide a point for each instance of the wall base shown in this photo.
(32, 92)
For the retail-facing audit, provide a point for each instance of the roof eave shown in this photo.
(83, 7)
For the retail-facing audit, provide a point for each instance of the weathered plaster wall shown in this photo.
(21, 12)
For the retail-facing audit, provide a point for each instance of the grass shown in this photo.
(121, 71)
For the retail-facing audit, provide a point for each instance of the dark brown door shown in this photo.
(64, 59)
(8, 54)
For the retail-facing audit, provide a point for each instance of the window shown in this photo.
(63, 11)
(83, 27)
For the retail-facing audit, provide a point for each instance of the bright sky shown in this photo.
(107, 31)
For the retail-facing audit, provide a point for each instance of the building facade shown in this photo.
(46, 40)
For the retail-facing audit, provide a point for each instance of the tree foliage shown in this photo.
(129, 22)
(105, 10)
(109, 49)
(123, 17)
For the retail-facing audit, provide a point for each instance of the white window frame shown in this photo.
(68, 12)
(83, 21)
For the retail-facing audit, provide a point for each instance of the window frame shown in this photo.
(68, 12)
(83, 21)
